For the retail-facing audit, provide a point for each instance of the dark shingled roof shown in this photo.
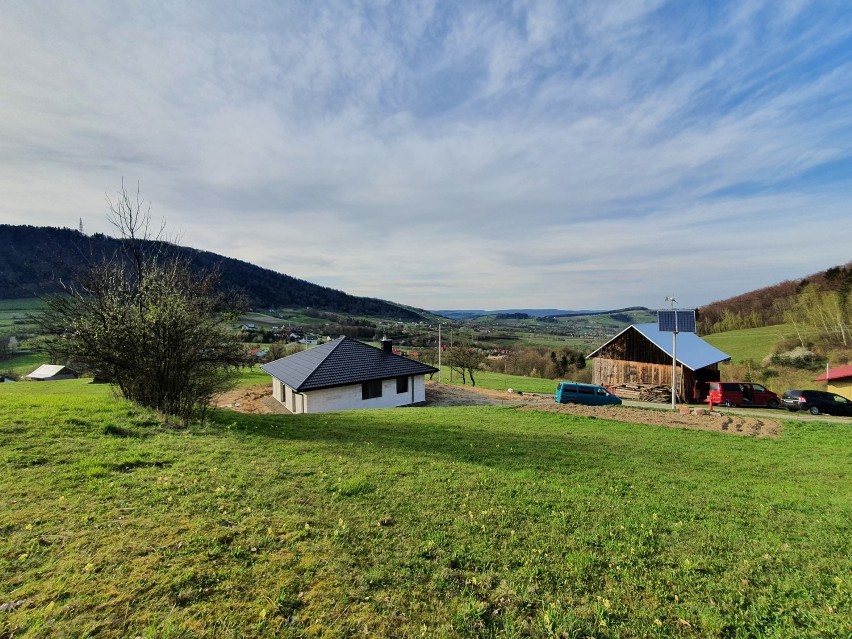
(341, 362)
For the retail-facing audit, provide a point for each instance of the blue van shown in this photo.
(589, 394)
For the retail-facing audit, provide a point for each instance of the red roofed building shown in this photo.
(839, 380)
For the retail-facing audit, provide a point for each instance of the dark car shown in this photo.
(816, 402)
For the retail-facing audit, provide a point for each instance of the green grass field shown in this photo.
(24, 364)
(15, 316)
(441, 522)
(750, 343)
(499, 381)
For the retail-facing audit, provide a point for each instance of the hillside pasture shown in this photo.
(15, 316)
(753, 344)
(500, 381)
(450, 522)
(749, 348)
(24, 363)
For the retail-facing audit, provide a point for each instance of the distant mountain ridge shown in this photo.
(35, 261)
(462, 314)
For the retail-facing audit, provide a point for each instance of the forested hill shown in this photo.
(774, 304)
(35, 260)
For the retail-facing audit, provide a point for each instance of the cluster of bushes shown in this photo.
(542, 362)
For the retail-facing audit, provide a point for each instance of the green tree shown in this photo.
(823, 316)
(144, 321)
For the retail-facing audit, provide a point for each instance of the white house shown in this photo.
(344, 374)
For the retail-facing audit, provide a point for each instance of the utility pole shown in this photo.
(674, 355)
(451, 350)
(439, 353)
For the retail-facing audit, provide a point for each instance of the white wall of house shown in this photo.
(350, 397)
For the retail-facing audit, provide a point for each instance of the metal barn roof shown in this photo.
(692, 351)
(341, 362)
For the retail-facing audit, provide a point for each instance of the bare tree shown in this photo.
(465, 360)
(143, 320)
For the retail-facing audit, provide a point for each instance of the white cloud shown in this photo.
(440, 155)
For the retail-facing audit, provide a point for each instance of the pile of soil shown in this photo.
(253, 399)
(258, 399)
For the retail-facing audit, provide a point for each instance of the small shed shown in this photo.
(52, 373)
(838, 380)
(641, 355)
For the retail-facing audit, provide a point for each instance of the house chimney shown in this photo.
(387, 345)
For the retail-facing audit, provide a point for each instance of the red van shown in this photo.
(741, 394)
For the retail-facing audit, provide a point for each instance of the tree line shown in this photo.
(784, 302)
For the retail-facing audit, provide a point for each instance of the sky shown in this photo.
(447, 155)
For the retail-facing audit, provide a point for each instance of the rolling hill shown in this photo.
(35, 261)
(766, 306)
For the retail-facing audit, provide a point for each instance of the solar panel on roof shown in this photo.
(676, 321)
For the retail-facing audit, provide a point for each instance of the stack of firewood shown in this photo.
(643, 392)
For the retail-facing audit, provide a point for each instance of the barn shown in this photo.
(641, 355)
(343, 374)
(51, 373)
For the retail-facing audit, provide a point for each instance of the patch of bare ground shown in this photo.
(714, 421)
(447, 395)
(258, 399)
(252, 399)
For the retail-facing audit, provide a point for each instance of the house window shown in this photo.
(371, 389)
(401, 385)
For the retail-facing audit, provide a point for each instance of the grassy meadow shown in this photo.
(23, 364)
(750, 343)
(749, 347)
(16, 312)
(417, 522)
(500, 381)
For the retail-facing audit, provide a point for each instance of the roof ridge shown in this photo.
(336, 344)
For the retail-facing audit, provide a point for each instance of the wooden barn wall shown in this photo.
(631, 358)
(635, 347)
(612, 372)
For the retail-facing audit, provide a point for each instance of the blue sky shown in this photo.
(448, 154)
